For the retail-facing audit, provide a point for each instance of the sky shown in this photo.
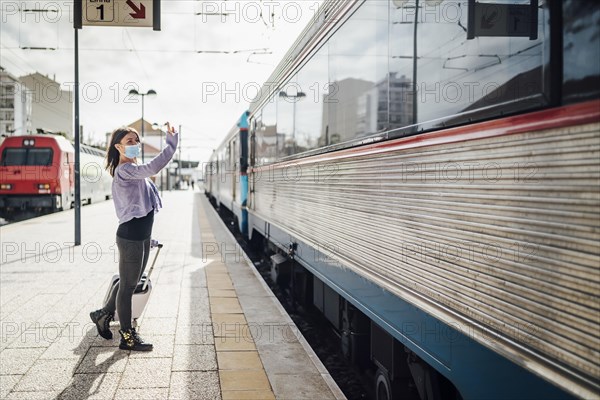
(198, 86)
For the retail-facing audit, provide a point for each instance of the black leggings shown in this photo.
(133, 257)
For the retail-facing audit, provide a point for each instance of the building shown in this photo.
(374, 115)
(15, 106)
(359, 108)
(340, 111)
(51, 107)
(401, 101)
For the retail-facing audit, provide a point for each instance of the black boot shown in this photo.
(102, 320)
(130, 340)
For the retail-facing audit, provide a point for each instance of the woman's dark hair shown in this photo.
(112, 154)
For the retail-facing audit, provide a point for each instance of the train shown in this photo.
(426, 174)
(37, 175)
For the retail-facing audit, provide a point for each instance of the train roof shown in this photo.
(61, 141)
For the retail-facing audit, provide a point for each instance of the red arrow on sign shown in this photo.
(138, 13)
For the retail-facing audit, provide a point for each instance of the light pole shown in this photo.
(148, 93)
(402, 4)
(156, 126)
(295, 98)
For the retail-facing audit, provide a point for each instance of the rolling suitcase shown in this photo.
(142, 290)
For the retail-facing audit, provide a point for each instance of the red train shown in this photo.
(37, 175)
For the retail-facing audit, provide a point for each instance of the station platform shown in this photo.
(218, 332)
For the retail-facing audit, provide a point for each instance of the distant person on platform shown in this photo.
(136, 201)
(192, 185)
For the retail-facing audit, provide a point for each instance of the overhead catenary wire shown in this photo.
(137, 54)
(233, 52)
(11, 49)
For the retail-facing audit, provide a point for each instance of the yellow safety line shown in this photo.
(241, 371)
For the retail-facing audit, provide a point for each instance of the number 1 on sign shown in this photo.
(101, 8)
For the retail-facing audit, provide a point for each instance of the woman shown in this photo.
(136, 200)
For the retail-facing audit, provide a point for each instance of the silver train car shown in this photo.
(435, 179)
(96, 182)
(225, 176)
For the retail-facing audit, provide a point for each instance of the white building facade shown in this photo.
(15, 106)
(51, 107)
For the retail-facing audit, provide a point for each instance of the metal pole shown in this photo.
(414, 110)
(143, 145)
(77, 171)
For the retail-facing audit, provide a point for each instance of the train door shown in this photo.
(243, 166)
(208, 175)
(218, 178)
(233, 162)
(251, 162)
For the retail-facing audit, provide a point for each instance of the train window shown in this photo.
(235, 156)
(14, 156)
(358, 70)
(31, 156)
(287, 97)
(581, 41)
(459, 78)
(267, 140)
(394, 67)
(401, 62)
(38, 156)
(311, 127)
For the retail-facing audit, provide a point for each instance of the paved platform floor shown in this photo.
(218, 332)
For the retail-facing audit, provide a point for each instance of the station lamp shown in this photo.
(150, 92)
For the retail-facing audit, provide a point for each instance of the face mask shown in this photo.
(132, 151)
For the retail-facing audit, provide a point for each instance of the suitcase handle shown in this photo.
(159, 246)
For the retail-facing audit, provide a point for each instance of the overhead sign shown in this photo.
(503, 20)
(128, 13)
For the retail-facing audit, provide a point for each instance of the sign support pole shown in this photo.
(77, 14)
(77, 164)
(156, 15)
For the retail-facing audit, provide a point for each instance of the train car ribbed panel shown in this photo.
(498, 236)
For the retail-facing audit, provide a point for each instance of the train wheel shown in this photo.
(383, 386)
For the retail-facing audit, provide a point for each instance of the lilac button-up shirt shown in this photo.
(135, 195)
